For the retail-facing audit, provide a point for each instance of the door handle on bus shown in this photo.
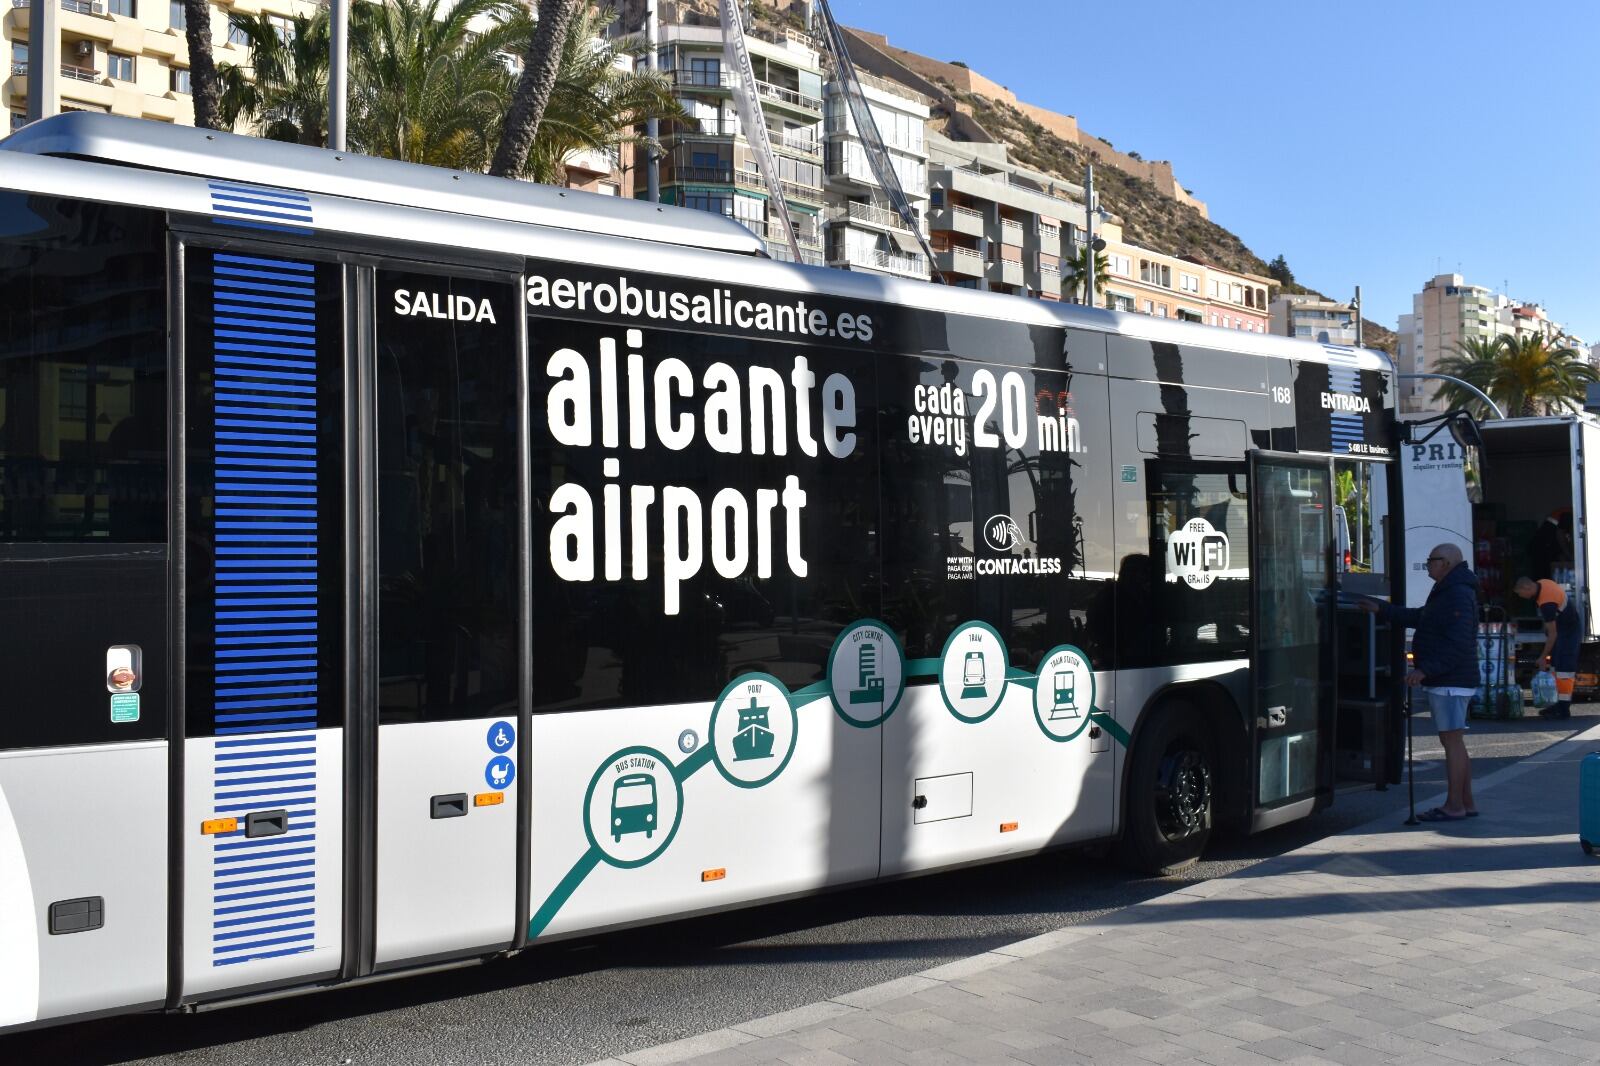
(266, 823)
(452, 806)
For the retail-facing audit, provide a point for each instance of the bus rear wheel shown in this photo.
(1170, 807)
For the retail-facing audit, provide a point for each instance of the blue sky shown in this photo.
(1371, 143)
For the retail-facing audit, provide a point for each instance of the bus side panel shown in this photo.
(1585, 512)
(82, 824)
(814, 824)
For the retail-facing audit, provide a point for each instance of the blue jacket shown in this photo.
(1446, 644)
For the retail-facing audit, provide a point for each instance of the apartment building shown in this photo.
(1448, 313)
(996, 225)
(860, 229)
(1151, 283)
(1313, 318)
(125, 57)
(707, 162)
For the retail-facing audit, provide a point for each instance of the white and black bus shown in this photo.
(401, 567)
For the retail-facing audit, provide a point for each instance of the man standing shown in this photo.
(1445, 657)
(1562, 636)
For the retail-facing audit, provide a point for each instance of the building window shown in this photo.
(1188, 283)
(1120, 265)
(1155, 273)
(180, 81)
(119, 66)
(125, 8)
(705, 71)
(236, 35)
(176, 15)
(1161, 310)
(283, 27)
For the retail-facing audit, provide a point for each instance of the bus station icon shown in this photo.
(972, 671)
(866, 673)
(633, 807)
(754, 729)
(1064, 692)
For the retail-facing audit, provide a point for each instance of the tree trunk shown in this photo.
(202, 66)
(539, 69)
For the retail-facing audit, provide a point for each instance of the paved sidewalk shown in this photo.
(1472, 941)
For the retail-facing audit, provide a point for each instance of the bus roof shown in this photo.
(187, 150)
(168, 167)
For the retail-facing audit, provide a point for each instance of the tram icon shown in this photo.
(633, 806)
(1065, 704)
(974, 682)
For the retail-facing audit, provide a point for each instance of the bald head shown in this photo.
(1449, 553)
(1443, 559)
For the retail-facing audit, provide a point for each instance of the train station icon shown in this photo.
(972, 671)
(753, 730)
(633, 806)
(1064, 692)
(866, 673)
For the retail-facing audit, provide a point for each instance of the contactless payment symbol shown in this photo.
(1064, 694)
(972, 671)
(866, 673)
(502, 736)
(753, 730)
(500, 772)
(632, 808)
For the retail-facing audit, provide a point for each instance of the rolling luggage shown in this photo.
(1589, 802)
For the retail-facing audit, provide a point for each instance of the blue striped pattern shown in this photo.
(1344, 429)
(254, 207)
(267, 590)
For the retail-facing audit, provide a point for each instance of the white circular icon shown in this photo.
(1002, 533)
(972, 671)
(1064, 693)
(633, 805)
(866, 673)
(753, 730)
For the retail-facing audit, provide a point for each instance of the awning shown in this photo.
(906, 242)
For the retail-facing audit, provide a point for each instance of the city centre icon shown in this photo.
(866, 673)
(972, 671)
(1197, 553)
(753, 730)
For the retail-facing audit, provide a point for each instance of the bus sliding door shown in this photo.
(448, 655)
(1293, 661)
(262, 565)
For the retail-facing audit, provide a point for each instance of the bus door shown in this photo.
(446, 411)
(262, 598)
(1293, 661)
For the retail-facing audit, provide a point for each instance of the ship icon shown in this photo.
(754, 738)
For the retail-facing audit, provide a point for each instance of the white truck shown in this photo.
(1532, 469)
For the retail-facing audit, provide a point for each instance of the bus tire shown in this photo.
(1171, 798)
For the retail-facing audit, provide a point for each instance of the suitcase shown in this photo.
(1589, 802)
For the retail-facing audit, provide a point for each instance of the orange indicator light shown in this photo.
(212, 826)
(488, 799)
(1008, 827)
(713, 875)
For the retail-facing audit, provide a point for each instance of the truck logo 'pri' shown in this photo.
(1002, 533)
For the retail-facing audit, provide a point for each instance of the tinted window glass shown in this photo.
(447, 497)
(83, 372)
(674, 548)
(264, 374)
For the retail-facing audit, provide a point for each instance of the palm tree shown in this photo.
(540, 65)
(1076, 271)
(284, 90)
(202, 64)
(1525, 375)
(423, 86)
(594, 104)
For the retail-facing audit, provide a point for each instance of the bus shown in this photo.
(387, 553)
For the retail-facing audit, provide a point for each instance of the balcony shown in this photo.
(1005, 271)
(789, 97)
(956, 219)
(1010, 232)
(780, 250)
(869, 215)
(1049, 234)
(80, 73)
(83, 7)
(701, 79)
(963, 261)
(703, 175)
(910, 266)
(798, 144)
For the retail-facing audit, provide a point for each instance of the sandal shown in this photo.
(1439, 814)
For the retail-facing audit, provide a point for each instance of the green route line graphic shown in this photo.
(816, 692)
